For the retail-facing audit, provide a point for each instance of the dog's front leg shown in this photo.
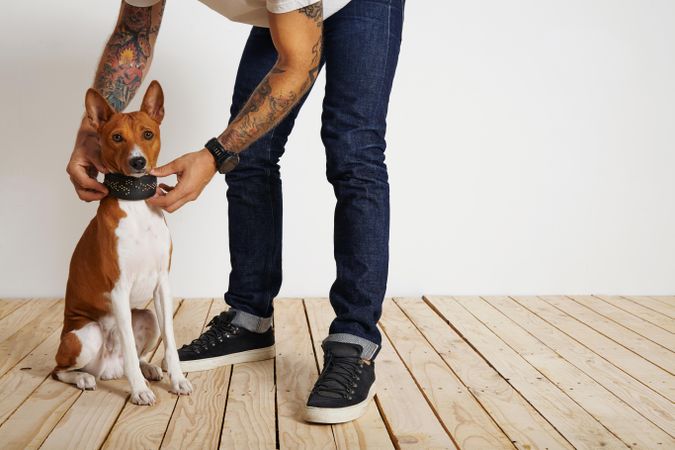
(140, 392)
(164, 302)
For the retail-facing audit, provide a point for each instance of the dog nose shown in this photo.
(137, 162)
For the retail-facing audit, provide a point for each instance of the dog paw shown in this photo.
(151, 372)
(143, 397)
(86, 381)
(181, 386)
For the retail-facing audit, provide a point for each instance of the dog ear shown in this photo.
(98, 109)
(153, 102)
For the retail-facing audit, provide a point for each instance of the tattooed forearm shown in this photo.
(279, 91)
(128, 54)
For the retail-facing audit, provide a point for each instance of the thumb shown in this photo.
(165, 170)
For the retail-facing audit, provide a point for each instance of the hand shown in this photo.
(194, 171)
(84, 166)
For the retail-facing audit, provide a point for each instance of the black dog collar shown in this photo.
(130, 188)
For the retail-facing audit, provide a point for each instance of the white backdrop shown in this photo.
(531, 147)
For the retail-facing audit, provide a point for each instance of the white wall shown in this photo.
(531, 147)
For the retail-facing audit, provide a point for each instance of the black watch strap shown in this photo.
(225, 159)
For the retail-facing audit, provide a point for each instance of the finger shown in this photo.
(82, 180)
(166, 170)
(88, 195)
(171, 197)
(179, 204)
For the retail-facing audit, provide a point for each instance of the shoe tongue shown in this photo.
(342, 349)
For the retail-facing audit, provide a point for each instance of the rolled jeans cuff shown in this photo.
(368, 348)
(251, 322)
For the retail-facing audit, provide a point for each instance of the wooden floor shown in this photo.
(466, 372)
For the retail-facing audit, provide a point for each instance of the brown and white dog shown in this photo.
(121, 261)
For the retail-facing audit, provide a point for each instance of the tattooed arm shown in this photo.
(125, 60)
(297, 36)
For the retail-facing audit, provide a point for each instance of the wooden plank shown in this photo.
(18, 345)
(89, 420)
(635, 365)
(28, 427)
(17, 384)
(631, 305)
(9, 305)
(409, 418)
(661, 304)
(576, 424)
(665, 304)
(143, 427)
(296, 374)
(250, 414)
(644, 400)
(197, 420)
(637, 325)
(524, 425)
(616, 415)
(647, 349)
(470, 426)
(368, 431)
(21, 317)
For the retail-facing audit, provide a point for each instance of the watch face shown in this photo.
(229, 164)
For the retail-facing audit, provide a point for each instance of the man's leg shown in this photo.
(254, 212)
(361, 51)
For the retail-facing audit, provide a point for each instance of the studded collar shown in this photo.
(126, 187)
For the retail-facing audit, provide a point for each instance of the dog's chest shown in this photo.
(143, 249)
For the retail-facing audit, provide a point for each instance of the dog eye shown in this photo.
(117, 137)
(148, 135)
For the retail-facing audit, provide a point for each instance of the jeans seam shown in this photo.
(268, 270)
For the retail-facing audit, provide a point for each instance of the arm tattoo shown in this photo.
(127, 54)
(314, 12)
(275, 96)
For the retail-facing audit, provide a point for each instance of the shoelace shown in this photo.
(220, 326)
(339, 376)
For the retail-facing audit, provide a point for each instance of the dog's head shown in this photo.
(129, 141)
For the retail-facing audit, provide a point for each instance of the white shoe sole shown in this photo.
(198, 365)
(315, 414)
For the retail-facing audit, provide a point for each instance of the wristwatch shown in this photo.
(225, 159)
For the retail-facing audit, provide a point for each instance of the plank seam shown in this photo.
(625, 326)
(468, 389)
(539, 372)
(175, 403)
(506, 380)
(517, 324)
(316, 359)
(648, 323)
(419, 388)
(590, 349)
(227, 397)
(54, 302)
(603, 334)
(640, 305)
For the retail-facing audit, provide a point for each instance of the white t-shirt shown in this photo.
(254, 12)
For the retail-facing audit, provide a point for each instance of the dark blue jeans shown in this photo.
(361, 46)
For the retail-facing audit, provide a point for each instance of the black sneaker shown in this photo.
(345, 386)
(224, 343)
